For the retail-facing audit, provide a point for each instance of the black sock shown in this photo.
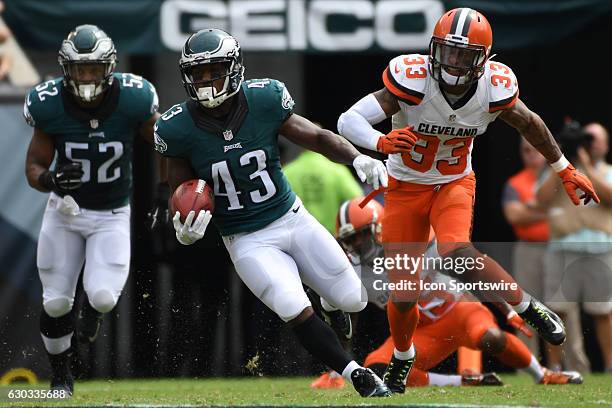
(321, 341)
(56, 327)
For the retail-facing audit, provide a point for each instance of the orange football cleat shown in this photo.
(328, 380)
(561, 377)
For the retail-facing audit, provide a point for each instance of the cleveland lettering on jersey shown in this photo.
(426, 128)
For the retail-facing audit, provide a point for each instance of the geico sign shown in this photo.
(301, 24)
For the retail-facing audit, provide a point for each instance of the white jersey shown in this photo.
(446, 130)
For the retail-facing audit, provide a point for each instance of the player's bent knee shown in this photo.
(58, 307)
(353, 304)
(493, 341)
(289, 306)
(103, 301)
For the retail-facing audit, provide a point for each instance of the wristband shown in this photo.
(560, 164)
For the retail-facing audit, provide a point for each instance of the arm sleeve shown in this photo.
(283, 104)
(148, 101)
(356, 123)
(503, 87)
(168, 137)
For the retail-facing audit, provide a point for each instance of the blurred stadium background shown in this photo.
(184, 312)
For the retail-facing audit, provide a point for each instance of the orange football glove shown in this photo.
(397, 141)
(572, 180)
(515, 321)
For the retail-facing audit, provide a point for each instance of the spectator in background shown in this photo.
(322, 185)
(5, 59)
(530, 225)
(579, 259)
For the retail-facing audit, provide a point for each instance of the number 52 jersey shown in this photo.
(101, 139)
(237, 156)
(445, 128)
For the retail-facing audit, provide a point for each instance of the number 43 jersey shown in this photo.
(238, 156)
(445, 128)
(100, 139)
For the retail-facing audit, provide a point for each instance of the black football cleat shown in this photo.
(396, 374)
(62, 379)
(369, 384)
(340, 322)
(476, 379)
(88, 323)
(546, 322)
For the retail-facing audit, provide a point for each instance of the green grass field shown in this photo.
(518, 391)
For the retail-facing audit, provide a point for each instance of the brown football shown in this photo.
(192, 195)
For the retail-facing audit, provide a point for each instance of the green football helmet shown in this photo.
(88, 59)
(211, 46)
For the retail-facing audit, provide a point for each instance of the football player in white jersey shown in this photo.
(438, 103)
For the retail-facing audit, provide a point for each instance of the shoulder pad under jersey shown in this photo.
(502, 85)
(406, 77)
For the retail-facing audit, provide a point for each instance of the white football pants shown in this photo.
(100, 239)
(275, 260)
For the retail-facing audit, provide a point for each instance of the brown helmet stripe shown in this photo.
(461, 22)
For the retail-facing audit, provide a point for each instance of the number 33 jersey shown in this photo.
(237, 156)
(445, 128)
(101, 139)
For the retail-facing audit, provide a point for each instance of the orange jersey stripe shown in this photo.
(397, 91)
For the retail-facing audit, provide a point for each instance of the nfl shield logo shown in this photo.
(452, 118)
(94, 123)
(228, 135)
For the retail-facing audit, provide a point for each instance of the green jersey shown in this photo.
(322, 185)
(100, 139)
(238, 156)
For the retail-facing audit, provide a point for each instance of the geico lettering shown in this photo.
(300, 24)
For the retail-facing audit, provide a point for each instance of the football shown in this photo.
(192, 195)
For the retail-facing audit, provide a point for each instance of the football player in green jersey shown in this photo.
(226, 133)
(88, 118)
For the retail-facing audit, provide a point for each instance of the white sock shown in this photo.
(326, 306)
(521, 307)
(535, 369)
(57, 345)
(439, 379)
(348, 370)
(404, 355)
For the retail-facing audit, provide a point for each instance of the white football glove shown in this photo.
(68, 206)
(371, 171)
(191, 231)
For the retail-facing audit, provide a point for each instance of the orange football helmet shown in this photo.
(359, 229)
(460, 46)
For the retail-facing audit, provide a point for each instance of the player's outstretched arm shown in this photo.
(303, 132)
(356, 124)
(533, 128)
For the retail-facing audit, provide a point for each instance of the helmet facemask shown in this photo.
(88, 59)
(361, 243)
(213, 81)
(454, 63)
(88, 79)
